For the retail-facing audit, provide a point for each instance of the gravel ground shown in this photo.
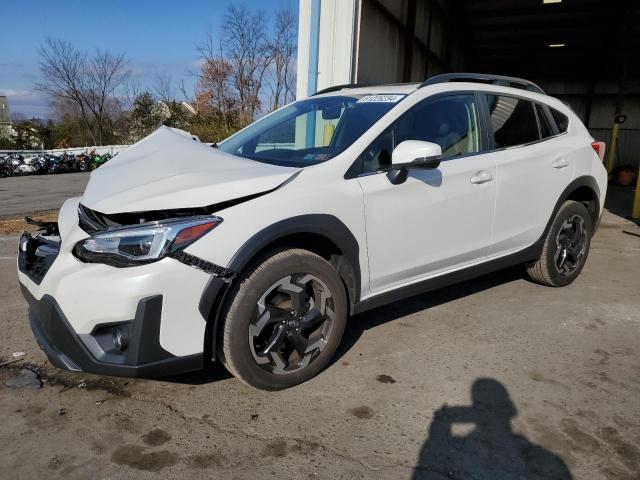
(485, 380)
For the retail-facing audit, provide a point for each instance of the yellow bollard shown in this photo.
(329, 128)
(636, 202)
(613, 144)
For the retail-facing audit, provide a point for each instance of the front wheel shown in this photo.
(565, 248)
(284, 320)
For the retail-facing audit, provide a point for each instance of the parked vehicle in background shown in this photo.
(5, 168)
(101, 159)
(255, 253)
(15, 162)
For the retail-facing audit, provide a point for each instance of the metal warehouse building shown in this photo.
(585, 52)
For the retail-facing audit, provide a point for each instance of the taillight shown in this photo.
(599, 148)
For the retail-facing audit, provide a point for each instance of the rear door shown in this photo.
(533, 168)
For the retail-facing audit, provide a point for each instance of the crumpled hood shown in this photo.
(169, 170)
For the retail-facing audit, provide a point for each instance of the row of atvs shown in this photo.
(16, 164)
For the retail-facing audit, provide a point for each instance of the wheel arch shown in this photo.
(322, 234)
(586, 191)
(583, 189)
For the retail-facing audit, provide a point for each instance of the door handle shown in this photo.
(560, 163)
(483, 176)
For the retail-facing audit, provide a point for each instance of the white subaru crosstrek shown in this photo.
(256, 251)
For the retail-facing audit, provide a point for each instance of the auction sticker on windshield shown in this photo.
(381, 98)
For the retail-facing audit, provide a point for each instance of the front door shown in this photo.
(438, 220)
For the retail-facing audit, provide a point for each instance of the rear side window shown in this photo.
(562, 121)
(513, 121)
(545, 128)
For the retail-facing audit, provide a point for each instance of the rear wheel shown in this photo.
(565, 248)
(284, 320)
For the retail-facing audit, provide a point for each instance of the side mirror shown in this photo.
(413, 154)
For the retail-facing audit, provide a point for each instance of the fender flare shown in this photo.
(325, 225)
(583, 181)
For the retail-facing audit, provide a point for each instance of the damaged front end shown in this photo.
(37, 254)
(130, 239)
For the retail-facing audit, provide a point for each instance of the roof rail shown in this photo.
(512, 82)
(335, 88)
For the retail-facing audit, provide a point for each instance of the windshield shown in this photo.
(310, 131)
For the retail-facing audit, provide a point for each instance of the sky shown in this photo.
(156, 36)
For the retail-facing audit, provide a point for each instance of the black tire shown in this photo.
(236, 347)
(546, 270)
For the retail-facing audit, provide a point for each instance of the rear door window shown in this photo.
(513, 121)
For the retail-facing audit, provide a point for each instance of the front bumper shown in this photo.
(77, 309)
(143, 357)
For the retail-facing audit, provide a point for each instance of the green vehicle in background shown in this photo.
(101, 159)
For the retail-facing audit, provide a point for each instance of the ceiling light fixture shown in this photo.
(545, 2)
(556, 45)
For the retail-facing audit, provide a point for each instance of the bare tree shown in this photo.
(89, 81)
(246, 49)
(216, 85)
(282, 51)
(163, 87)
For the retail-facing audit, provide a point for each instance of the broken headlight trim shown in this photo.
(129, 246)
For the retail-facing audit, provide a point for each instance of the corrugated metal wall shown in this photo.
(602, 99)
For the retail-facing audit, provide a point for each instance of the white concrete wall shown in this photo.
(337, 38)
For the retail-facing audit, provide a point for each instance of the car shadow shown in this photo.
(358, 324)
(211, 373)
(491, 450)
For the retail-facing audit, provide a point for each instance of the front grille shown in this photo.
(36, 255)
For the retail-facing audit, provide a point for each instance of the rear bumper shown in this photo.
(95, 353)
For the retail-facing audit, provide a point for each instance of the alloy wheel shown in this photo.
(571, 243)
(294, 318)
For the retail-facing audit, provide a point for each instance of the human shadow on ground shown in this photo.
(491, 450)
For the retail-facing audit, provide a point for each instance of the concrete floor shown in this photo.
(485, 380)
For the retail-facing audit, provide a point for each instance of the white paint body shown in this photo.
(436, 222)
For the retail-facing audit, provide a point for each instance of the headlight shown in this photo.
(145, 243)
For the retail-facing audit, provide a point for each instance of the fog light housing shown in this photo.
(120, 338)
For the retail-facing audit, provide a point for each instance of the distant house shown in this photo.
(5, 117)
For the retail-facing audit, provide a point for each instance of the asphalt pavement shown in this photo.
(495, 378)
(30, 194)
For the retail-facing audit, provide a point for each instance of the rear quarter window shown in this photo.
(562, 121)
(545, 128)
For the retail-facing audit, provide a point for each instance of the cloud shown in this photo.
(10, 92)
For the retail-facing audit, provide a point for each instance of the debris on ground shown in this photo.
(25, 378)
(16, 225)
(635, 232)
(9, 362)
(18, 354)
